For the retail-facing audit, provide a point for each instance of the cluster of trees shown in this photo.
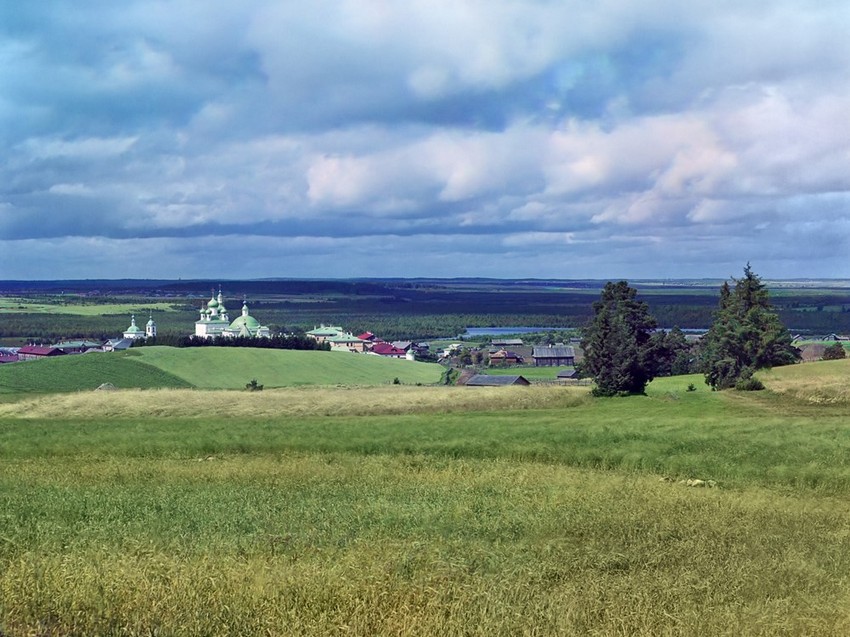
(746, 335)
(834, 352)
(624, 352)
(275, 342)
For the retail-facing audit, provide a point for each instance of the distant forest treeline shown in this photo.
(393, 309)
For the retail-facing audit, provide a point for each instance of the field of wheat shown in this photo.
(427, 511)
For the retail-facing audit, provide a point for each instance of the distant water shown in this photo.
(472, 332)
(501, 331)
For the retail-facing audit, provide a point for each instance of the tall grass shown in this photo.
(342, 544)
(289, 402)
(821, 383)
(424, 511)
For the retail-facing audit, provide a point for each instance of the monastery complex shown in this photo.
(215, 322)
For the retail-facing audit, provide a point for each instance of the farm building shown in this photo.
(78, 347)
(554, 356)
(505, 357)
(486, 380)
(34, 352)
(507, 342)
(117, 344)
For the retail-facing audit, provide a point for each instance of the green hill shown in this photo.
(82, 372)
(231, 368)
(210, 368)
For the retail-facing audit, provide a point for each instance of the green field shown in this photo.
(404, 510)
(26, 306)
(84, 372)
(210, 368)
(529, 372)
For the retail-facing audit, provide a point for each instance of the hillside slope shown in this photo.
(84, 372)
(210, 368)
(231, 368)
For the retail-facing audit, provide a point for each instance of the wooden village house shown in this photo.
(554, 356)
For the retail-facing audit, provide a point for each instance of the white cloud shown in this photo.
(648, 130)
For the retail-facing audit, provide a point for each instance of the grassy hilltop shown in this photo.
(210, 368)
(404, 510)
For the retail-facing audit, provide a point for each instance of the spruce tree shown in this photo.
(834, 352)
(617, 344)
(746, 335)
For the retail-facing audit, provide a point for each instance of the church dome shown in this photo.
(247, 320)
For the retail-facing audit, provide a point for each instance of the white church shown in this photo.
(135, 332)
(214, 321)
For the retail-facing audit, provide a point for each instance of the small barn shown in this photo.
(554, 356)
(487, 380)
(507, 342)
(117, 344)
(568, 373)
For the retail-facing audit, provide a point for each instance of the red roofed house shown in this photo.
(367, 336)
(390, 351)
(33, 352)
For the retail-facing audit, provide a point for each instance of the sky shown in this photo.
(424, 138)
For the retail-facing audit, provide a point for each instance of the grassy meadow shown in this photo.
(79, 307)
(404, 510)
(209, 368)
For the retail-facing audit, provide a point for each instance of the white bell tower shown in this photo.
(150, 328)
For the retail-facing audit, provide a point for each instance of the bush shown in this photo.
(834, 352)
(749, 384)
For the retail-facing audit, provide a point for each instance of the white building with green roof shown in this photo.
(325, 333)
(214, 321)
(134, 331)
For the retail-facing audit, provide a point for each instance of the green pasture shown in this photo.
(20, 306)
(84, 372)
(231, 367)
(530, 372)
(430, 511)
(210, 368)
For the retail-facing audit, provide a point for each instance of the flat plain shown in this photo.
(405, 510)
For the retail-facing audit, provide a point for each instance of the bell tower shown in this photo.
(150, 328)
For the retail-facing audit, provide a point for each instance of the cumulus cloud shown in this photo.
(538, 138)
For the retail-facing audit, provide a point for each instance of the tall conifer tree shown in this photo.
(617, 344)
(746, 335)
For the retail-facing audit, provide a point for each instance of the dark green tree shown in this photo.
(746, 334)
(673, 353)
(834, 352)
(618, 347)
